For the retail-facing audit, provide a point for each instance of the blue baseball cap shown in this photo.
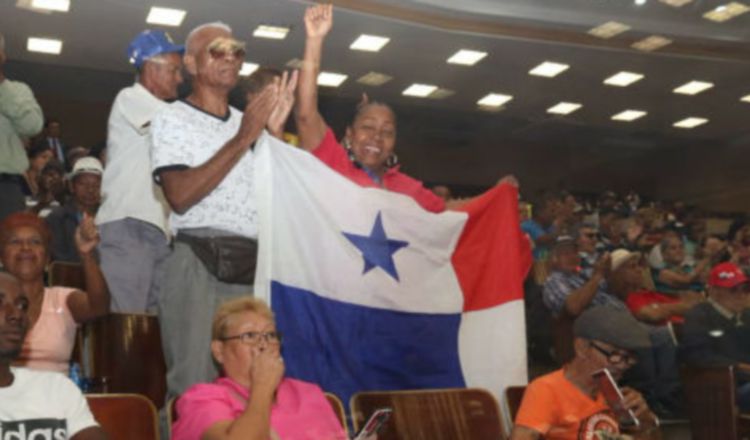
(150, 44)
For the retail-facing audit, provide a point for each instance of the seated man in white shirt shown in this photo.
(35, 404)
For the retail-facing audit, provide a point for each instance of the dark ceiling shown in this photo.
(516, 34)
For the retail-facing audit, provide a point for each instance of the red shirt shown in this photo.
(643, 298)
(334, 155)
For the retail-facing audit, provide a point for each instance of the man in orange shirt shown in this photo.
(567, 404)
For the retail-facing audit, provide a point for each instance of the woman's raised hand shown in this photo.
(87, 235)
(318, 20)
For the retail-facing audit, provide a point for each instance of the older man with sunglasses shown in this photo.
(202, 157)
(569, 404)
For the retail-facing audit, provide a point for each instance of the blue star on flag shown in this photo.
(377, 249)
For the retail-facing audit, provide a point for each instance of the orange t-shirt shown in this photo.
(558, 410)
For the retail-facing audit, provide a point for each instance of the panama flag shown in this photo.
(372, 292)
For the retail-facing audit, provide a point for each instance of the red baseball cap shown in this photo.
(726, 275)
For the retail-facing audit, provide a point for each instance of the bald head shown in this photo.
(202, 35)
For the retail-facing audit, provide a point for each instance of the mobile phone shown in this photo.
(615, 399)
(374, 423)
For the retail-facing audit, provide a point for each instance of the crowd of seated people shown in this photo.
(623, 270)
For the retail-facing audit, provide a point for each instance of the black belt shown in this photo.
(15, 178)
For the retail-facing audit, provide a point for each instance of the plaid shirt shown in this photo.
(559, 284)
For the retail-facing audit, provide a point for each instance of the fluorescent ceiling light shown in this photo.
(564, 108)
(441, 94)
(745, 98)
(726, 12)
(272, 32)
(369, 43)
(676, 3)
(629, 115)
(330, 79)
(549, 69)
(466, 57)
(374, 79)
(693, 87)
(690, 122)
(623, 79)
(51, 5)
(419, 90)
(652, 43)
(494, 100)
(44, 45)
(609, 29)
(165, 16)
(248, 68)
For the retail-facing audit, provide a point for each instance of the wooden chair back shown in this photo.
(125, 350)
(710, 402)
(67, 275)
(338, 409)
(447, 414)
(562, 337)
(125, 416)
(513, 399)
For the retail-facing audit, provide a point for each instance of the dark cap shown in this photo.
(613, 326)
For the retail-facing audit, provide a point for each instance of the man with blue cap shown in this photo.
(133, 216)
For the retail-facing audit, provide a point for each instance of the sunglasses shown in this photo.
(221, 47)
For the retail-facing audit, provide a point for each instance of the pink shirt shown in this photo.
(334, 155)
(49, 344)
(301, 411)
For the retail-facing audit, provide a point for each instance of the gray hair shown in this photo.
(190, 40)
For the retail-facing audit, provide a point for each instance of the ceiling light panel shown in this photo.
(726, 12)
(690, 122)
(494, 100)
(629, 115)
(331, 79)
(369, 43)
(466, 57)
(248, 68)
(165, 16)
(374, 79)
(676, 3)
(652, 43)
(564, 108)
(419, 90)
(549, 69)
(271, 32)
(745, 98)
(294, 63)
(609, 29)
(44, 45)
(693, 88)
(51, 5)
(441, 94)
(623, 79)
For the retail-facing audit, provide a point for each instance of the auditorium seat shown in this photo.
(66, 274)
(444, 414)
(125, 351)
(125, 416)
(338, 409)
(710, 402)
(513, 399)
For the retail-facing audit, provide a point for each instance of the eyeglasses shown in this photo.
(254, 338)
(221, 47)
(615, 357)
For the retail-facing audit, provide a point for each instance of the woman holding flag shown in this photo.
(366, 154)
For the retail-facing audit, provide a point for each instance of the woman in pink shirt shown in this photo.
(252, 400)
(367, 156)
(54, 311)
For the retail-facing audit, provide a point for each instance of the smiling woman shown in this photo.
(54, 312)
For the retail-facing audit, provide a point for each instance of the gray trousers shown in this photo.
(11, 198)
(131, 254)
(187, 302)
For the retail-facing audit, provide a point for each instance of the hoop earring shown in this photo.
(392, 161)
